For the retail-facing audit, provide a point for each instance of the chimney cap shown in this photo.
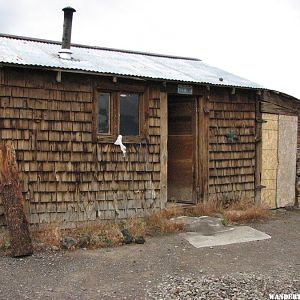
(69, 9)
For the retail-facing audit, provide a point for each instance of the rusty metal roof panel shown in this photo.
(41, 53)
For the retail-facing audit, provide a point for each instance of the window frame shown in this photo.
(114, 108)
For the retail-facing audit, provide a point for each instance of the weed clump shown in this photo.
(111, 234)
(243, 211)
(160, 223)
(206, 208)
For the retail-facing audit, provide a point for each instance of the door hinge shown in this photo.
(261, 121)
(260, 187)
(258, 139)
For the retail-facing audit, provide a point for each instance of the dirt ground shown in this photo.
(129, 272)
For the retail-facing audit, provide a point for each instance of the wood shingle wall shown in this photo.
(231, 144)
(68, 176)
(65, 176)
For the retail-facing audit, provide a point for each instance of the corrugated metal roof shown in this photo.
(42, 53)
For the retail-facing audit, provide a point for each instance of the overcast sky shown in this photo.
(255, 39)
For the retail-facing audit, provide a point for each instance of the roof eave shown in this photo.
(140, 78)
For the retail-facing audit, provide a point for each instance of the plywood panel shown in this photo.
(287, 149)
(269, 138)
(269, 160)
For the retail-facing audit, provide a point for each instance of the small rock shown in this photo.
(127, 237)
(84, 241)
(68, 242)
(140, 240)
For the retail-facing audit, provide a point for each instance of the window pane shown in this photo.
(129, 114)
(103, 113)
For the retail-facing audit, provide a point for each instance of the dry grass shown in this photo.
(242, 211)
(206, 208)
(50, 236)
(243, 204)
(160, 223)
(97, 236)
(245, 212)
(91, 236)
(109, 234)
(172, 212)
(135, 226)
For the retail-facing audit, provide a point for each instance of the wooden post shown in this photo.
(203, 148)
(163, 148)
(258, 149)
(13, 203)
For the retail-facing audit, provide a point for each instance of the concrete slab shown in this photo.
(237, 234)
(204, 225)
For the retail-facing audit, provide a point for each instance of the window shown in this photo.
(119, 112)
(129, 114)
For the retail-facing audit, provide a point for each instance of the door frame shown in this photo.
(181, 99)
(200, 188)
(202, 137)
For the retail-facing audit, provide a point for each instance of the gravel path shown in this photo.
(239, 287)
(166, 267)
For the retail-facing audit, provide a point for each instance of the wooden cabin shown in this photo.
(192, 132)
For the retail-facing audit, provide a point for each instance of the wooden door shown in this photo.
(181, 145)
